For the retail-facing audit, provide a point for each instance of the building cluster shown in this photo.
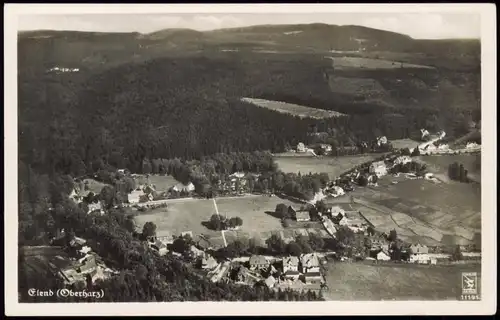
(286, 272)
(59, 69)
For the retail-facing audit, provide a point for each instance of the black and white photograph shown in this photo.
(280, 155)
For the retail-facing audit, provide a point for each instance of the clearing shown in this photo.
(293, 109)
(366, 281)
(256, 211)
(366, 63)
(440, 163)
(162, 183)
(334, 166)
(404, 143)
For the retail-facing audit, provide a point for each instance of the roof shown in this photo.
(378, 164)
(302, 215)
(309, 260)
(256, 259)
(291, 272)
(270, 281)
(291, 260)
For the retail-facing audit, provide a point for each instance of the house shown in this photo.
(309, 263)
(301, 147)
(302, 216)
(290, 264)
(208, 262)
(338, 191)
(196, 252)
(258, 262)
(95, 207)
(145, 198)
(291, 275)
(383, 256)
(312, 277)
(77, 242)
(402, 160)
(441, 134)
(270, 281)
(424, 134)
(184, 187)
(472, 145)
(379, 168)
(334, 211)
(419, 249)
(160, 247)
(84, 250)
(134, 196)
(420, 258)
(381, 141)
(326, 148)
(122, 171)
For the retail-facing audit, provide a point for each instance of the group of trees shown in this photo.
(457, 171)
(417, 167)
(300, 245)
(219, 222)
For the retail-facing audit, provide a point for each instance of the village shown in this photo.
(302, 271)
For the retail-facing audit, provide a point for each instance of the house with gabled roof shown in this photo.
(310, 263)
(258, 262)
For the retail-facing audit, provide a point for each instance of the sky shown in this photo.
(424, 25)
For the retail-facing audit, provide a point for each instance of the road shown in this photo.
(167, 201)
(222, 231)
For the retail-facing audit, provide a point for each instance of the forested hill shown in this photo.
(176, 93)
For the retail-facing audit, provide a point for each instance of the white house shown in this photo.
(338, 191)
(95, 207)
(310, 263)
(424, 133)
(402, 160)
(290, 264)
(184, 187)
(301, 147)
(379, 168)
(383, 256)
(420, 258)
(381, 140)
(135, 196)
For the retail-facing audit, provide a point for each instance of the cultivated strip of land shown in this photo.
(293, 109)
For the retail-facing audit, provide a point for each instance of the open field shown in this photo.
(356, 86)
(253, 210)
(440, 163)
(447, 213)
(366, 63)
(365, 281)
(162, 183)
(404, 143)
(334, 166)
(293, 109)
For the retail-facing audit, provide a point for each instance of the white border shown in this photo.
(486, 306)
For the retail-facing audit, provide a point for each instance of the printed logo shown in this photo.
(469, 283)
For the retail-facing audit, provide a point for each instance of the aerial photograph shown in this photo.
(248, 157)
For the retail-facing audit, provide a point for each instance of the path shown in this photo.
(156, 202)
(222, 231)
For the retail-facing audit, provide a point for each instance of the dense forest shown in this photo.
(190, 107)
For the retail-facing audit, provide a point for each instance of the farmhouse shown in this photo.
(383, 256)
(402, 160)
(379, 168)
(183, 187)
(95, 207)
(134, 196)
(310, 263)
(258, 262)
(419, 249)
(381, 141)
(334, 211)
(290, 264)
(420, 258)
(208, 262)
(301, 147)
(299, 215)
(160, 247)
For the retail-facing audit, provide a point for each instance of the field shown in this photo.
(404, 143)
(255, 211)
(293, 109)
(440, 164)
(333, 166)
(162, 183)
(365, 281)
(356, 86)
(419, 210)
(366, 63)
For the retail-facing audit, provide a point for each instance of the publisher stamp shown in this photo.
(470, 286)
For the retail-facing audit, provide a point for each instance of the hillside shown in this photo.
(175, 93)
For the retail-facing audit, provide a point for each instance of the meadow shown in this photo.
(404, 143)
(293, 109)
(367, 281)
(334, 166)
(367, 63)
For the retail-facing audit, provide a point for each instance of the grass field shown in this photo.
(293, 109)
(364, 281)
(440, 163)
(255, 212)
(356, 86)
(404, 143)
(333, 166)
(366, 63)
(446, 213)
(162, 183)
